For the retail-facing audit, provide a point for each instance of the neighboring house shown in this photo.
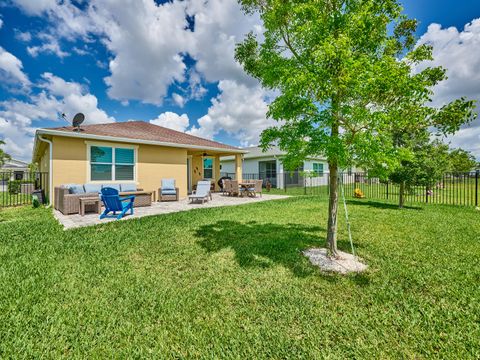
(132, 152)
(268, 166)
(13, 170)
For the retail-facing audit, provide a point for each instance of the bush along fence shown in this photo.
(22, 187)
(451, 189)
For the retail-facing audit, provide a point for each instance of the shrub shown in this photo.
(14, 186)
(35, 201)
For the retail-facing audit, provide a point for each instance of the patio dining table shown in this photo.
(246, 185)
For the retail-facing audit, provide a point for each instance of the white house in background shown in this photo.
(268, 166)
(16, 167)
(12, 170)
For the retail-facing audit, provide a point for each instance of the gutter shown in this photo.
(136, 141)
(50, 169)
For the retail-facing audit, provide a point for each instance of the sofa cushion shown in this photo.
(168, 184)
(93, 188)
(128, 187)
(76, 189)
(169, 192)
(113, 186)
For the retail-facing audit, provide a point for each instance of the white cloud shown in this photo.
(458, 52)
(1, 22)
(238, 110)
(36, 7)
(51, 45)
(178, 99)
(18, 118)
(23, 36)
(147, 42)
(219, 25)
(172, 121)
(11, 69)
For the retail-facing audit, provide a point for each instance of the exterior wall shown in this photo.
(197, 169)
(228, 167)
(156, 162)
(70, 164)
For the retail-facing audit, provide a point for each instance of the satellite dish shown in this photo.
(78, 119)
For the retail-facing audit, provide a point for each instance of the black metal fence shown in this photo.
(451, 189)
(18, 187)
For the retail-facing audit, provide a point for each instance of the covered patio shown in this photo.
(158, 208)
(205, 165)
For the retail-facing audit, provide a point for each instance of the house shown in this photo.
(133, 152)
(268, 166)
(16, 167)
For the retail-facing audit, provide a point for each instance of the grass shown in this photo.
(213, 283)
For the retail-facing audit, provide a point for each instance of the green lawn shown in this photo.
(231, 283)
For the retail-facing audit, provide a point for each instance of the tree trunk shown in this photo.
(332, 210)
(401, 198)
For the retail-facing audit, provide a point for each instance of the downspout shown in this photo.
(50, 169)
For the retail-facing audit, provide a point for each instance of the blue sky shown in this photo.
(117, 60)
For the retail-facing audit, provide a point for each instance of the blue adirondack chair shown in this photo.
(113, 203)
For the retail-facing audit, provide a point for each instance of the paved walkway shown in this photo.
(157, 208)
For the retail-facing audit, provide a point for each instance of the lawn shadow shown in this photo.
(381, 205)
(264, 245)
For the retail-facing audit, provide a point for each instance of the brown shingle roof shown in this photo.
(140, 130)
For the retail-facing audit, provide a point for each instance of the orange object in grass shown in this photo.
(357, 193)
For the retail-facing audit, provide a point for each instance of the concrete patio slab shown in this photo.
(158, 208)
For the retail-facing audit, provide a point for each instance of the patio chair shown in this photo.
(168, 191)
(113, 203)
(227, 187)
(234, 188)
(202, 192)
(258, 187)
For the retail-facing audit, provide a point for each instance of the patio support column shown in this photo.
(238, 167)
(216, 171)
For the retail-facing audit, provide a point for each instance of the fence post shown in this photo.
(387, 188)
(476, 186)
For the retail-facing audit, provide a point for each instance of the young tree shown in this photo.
(422, 163)
(344, 81)
(461, 161)
(3, 155)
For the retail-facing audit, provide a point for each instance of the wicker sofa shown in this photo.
(67, 197)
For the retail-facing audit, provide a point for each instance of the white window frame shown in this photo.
(316, 172)
(213, 167)
(113, 146)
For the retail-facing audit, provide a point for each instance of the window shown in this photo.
(112, 163)
(318, 169)
(208, 168)
(124, 164)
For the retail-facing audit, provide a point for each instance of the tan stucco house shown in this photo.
(134, 152)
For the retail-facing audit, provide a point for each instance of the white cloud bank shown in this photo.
(18, 118)
(11, 69)
(172, 121)
(458, 51)
(148, 43)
